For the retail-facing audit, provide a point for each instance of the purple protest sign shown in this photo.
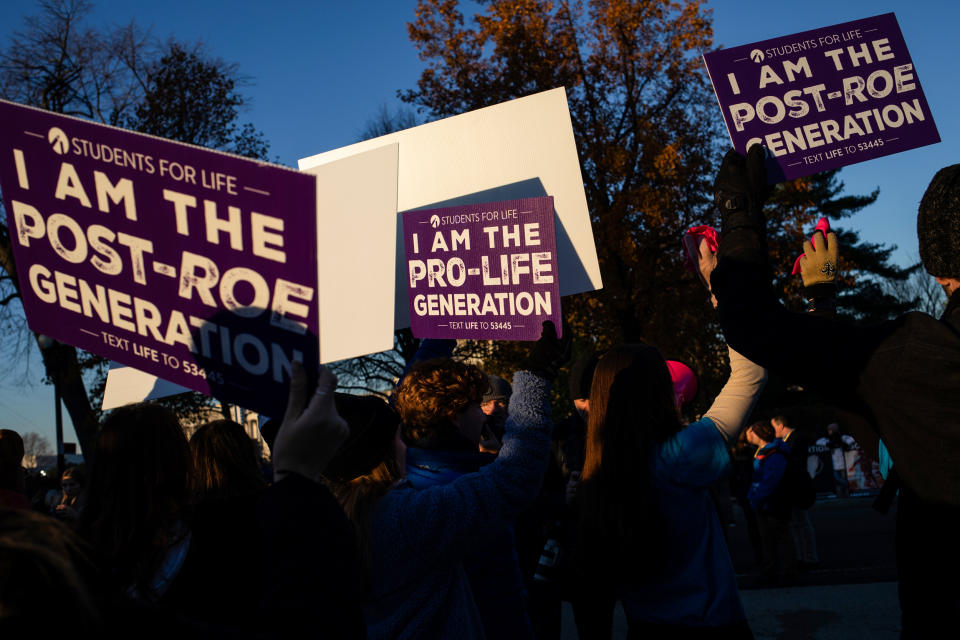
(193, 265)
(824, 98)
(484, 271)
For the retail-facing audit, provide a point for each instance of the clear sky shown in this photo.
(319, 70)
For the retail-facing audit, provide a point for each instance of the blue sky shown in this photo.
(319, 70)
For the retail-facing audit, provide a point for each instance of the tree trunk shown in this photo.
(63, 368)
(60, 361)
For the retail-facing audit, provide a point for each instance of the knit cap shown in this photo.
(499, 389)
(938, 224)
(373, 428)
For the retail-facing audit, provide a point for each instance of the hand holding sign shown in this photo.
(549, 352)
(740, 191)
(312, 430)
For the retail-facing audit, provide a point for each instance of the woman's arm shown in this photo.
(739, 395)
(736, 400)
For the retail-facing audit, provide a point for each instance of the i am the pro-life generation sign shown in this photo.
(486, 271)
(195, 266)
(824, 98)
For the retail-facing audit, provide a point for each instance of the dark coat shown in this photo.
(902, 377)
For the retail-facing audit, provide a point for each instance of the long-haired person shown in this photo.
(73, 497)
(225, 462)
(138, 506)
(649, 533)
(222, 575)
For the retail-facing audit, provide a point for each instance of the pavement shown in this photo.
(823, 612)
(852, 593)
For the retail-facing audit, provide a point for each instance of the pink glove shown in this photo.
(691, 245)
(823, 226)
(700, 254)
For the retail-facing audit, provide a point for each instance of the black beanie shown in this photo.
(938, 224)
(581, 375)
(499, 389)
(373, 427)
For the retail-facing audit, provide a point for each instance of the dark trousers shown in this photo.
(928, 566)
(779, 553)
(593, 613)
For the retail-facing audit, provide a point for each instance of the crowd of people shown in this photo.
(458, 509)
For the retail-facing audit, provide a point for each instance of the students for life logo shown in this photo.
(756, 55)
(434, 221)
(58, 140)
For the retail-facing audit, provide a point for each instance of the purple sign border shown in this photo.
(482, 270)
(279, 246)
(825, 150)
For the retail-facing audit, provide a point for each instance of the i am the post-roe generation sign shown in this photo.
(824, 98)
(486, 271)
(193, 265)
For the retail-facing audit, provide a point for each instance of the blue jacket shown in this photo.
(700, 587)
(492, 567)
(769, 465)
(420, 537)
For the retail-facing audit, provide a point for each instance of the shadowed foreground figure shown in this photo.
(217, 553)
(902, 377)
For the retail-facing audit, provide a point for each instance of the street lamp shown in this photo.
(48, 344)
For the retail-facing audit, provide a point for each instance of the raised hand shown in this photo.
(703, 255)
(739, 193)
(821, 255)
(312, 430)
(549, 352)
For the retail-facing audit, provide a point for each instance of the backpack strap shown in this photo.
(889, 489)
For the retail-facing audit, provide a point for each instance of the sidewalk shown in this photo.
(831, 612)
(853, 593)
(834, 612)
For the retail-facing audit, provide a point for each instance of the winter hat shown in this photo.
(684, 382)
(373, 428)
(499, 389)
(938, 224)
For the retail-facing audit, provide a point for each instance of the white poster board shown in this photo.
(126, 384)
(519, 149)
(354, 197)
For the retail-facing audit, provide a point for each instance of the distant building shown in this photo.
(49, 461)
(249, 420)
(191, 423)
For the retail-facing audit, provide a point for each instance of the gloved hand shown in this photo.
(311, 432)
(818, 264)
(739, 193)
(549, 352)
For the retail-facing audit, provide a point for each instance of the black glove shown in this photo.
(549, 352)
(739, 193)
